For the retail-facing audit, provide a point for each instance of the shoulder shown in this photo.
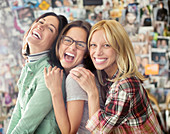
(70, 80)
(129, 84)
(42, 63)
(72, 84)
(73, 90)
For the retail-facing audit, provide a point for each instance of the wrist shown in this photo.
(56, 92)
(93, 94)
(93, 102)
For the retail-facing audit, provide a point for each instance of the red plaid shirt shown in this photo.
(127, 110)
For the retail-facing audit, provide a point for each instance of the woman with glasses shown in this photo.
(71, 50)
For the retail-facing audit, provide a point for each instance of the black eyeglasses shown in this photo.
(66, 40)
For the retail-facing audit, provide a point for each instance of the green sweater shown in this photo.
(33, 112)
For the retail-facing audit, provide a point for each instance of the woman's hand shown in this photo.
(53, 79)
(85, 78)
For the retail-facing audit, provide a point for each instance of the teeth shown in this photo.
(36, 34)
(70, 54)
(100, 60)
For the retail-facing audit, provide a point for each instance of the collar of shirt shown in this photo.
(37, 56)
(109, 83)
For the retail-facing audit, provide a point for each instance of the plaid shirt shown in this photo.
(127, 110)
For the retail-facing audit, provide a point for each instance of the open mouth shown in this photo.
(69, 56)
(36, 35)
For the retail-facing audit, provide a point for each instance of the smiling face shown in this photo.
(102, 53)
(70, 56)
(42, 34)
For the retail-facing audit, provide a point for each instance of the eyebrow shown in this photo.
(51, 25)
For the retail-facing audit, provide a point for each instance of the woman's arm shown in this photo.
(16, 115)
(101, 121)
(68, 120)
(35, 110)
(86, 80)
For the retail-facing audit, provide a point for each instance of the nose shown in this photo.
(41, 26)
(99, 51)
(73, 46)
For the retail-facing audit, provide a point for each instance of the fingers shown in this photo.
(75, 77)
(54, 68)
(84, 71)
(49, 69)
(80, 71)
(45, 71)
(75, 73)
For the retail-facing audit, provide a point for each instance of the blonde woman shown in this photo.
(127, 107)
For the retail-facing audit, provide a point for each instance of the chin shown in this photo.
(98, 68)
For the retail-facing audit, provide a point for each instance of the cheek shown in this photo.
(51, 37)
(91, 51)
(113, 54)
(80, 55)
(91, 56)
(60, 51)
(49, 41)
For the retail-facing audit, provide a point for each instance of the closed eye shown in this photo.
(51, 29)
(41, 22)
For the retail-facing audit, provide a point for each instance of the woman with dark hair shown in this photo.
(162, 13)
(33, 112)
(71, 50)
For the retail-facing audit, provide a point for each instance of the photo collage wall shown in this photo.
(146, 22)
(147, 25)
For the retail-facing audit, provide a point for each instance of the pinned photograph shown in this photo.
(15, 4)
(56, 3)
(131, 22)
(145, 16)
(31, 3)
(25, 16)
(158, 27)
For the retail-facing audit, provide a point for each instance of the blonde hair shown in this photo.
(126, 60)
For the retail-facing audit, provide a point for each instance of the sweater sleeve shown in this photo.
(35, 111)
(15, 117)
(74, 91)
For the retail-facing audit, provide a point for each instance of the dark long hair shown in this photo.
(62, 22)
(54, 58)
